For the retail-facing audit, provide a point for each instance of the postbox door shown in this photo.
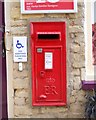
(49, 74)
(48, 63)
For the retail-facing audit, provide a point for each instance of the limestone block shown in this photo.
(80, 3)
(82, 48)
(79, 38)
(78, 15)
(53, 109)
(22, 93)
(72, 16)
(75, 48)
(76, 108)
(24, 117)
(79, 21)
(15, 4)
(81, 98)
(72, 99)
(15, 13)
(20, 83)
(18, 74)
(74, 92)
(75, 72)
(8, 42)
(22, 110)
(15, 66)
(72, 35)
(70, 84)
(28, 16)
(61, 115)
(78, 60)
(19, 30)
(75, 29)
(83, 73)
(27, 101)
(77, 83)
(19, 101)
(76, 116)
(56, 15)
(48, 115)
(80, 12)
(18, 23)
(82, 93)
(78, 96)
(36, 111)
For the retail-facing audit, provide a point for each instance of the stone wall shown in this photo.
(21, 81)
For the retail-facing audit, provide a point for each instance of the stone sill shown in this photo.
(88, 85)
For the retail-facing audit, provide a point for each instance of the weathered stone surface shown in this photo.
(18, 74)
(79, 21)
(29, 16)
(75, 29)
(22, 93)
(56, 15)
(72, 99)
(21, 83)
(53, 110)
(83, 73)
(19, 30)
(74, 92)
(15, 13)
(19, 101)
(22, 110)
(72, 35)
(75, 48)
(76, 107)
(19, 23)
(77, 83)
(78, 60)
(75, 72)
(79, 38)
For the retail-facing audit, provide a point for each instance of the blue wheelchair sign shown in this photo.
(19, 45)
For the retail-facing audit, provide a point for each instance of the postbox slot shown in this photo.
(48, 36)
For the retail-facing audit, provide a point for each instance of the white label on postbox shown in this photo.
(48, 60)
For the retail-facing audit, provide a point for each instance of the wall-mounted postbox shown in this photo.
(48, 40)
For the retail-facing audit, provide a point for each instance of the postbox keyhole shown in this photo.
(42, 74)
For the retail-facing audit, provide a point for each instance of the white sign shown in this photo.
(48, 6)
(48, 60)
(20, 49)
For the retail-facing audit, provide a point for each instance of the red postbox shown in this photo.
(48, 40)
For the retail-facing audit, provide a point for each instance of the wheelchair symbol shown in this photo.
(19, 45)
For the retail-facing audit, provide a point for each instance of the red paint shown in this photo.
(60, 5)
(94, 43)
(48, 85)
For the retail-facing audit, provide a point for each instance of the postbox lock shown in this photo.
(42, 73)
